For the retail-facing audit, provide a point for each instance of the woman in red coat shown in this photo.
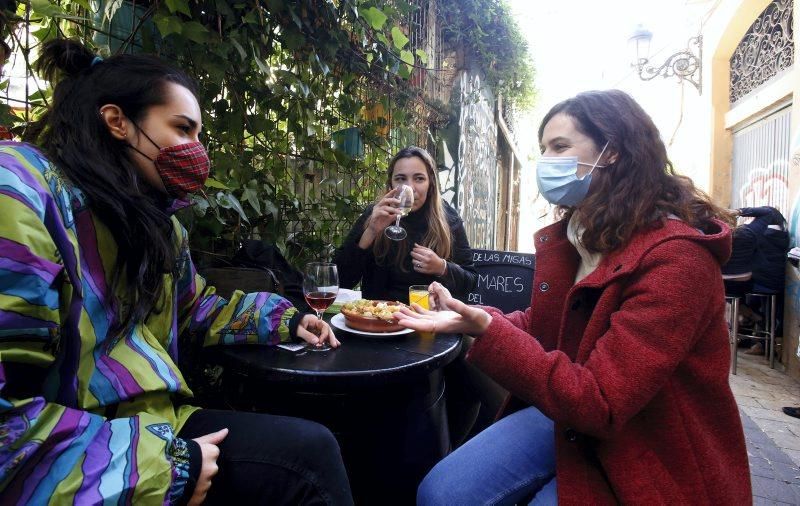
(621, 362)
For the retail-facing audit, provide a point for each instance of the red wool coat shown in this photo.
(631, 363)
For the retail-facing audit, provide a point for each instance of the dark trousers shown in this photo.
(473, 398)
(268, 459)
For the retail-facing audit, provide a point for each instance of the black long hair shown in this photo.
(77, 140)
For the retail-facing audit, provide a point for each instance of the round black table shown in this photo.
(383, 398)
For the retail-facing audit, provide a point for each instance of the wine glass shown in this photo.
(406, 195)
(320, 287)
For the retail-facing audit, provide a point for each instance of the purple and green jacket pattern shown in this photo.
(61, 370)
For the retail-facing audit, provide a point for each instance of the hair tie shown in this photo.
(97, 59)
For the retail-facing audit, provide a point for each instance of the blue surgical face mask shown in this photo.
(557, 178)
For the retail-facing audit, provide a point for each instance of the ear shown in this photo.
(612, 158)
(116, 121)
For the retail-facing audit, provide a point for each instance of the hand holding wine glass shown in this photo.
(320, 287)
(406, 196)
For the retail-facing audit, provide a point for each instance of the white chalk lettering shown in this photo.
(510, 258)
(481, 256)
(475, 298)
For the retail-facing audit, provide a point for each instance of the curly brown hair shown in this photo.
(639, 188)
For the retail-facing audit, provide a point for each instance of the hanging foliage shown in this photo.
(487, 29)
(304, 102)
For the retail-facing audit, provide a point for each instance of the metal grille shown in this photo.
(761, 163)
(766, 50)
(432, 78)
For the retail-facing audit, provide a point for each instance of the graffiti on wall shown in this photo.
(766, 187)
(792, 295)
(794, 218)
(477, 159)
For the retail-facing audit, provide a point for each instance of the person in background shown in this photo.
(769, 259)
(619, 369)
(758, 263)
(99, 295)
(436, 248)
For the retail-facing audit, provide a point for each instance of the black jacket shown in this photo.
(760, 249)
(387, 281)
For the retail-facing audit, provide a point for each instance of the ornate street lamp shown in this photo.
(684, 64)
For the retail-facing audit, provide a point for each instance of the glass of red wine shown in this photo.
(320, 287)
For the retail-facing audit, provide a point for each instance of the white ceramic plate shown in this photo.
(340, 322)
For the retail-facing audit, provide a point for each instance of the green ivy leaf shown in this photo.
(201, 205)
(422, 55)
(111, 8)
(84, 3)
(229, 201)
(181, 6)
(251, 196)
(239, 48)
(399, 38)
(47, 9)
(407, 57)
(213, 183)
(168, 25)
(196, 32)
(375, 17)
(271, 208)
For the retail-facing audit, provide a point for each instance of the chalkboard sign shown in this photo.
(505, 279)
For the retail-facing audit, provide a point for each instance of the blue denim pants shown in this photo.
(511, 461)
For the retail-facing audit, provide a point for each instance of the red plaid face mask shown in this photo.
(183, 168)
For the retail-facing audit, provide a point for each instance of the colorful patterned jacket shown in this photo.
(87, 418)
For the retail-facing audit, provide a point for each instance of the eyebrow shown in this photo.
(559, 139)
(192, 123)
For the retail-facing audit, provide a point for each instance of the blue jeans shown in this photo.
(511, 461)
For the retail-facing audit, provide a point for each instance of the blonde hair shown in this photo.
(438, 237)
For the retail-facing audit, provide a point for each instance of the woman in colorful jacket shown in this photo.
(621, 362)
(98, 294)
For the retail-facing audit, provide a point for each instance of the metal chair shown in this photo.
(768, 334)
(733, 327)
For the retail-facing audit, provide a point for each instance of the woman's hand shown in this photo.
(426, 261)
(315, 331)
(209, 449)
(453, 316)
(385, 212)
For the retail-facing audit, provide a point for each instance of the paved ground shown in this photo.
(773, 438)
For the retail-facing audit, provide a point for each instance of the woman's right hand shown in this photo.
(385, 212)
(449, 315)
(210, 450)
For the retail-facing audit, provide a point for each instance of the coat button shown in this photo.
(543, 238)
(544, 287)
(571, 435)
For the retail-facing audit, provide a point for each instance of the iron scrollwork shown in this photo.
(766, 50)
(684, 65)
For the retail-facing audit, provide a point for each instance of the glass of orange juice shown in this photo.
(418, 294)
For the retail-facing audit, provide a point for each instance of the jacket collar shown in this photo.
(624, 260)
